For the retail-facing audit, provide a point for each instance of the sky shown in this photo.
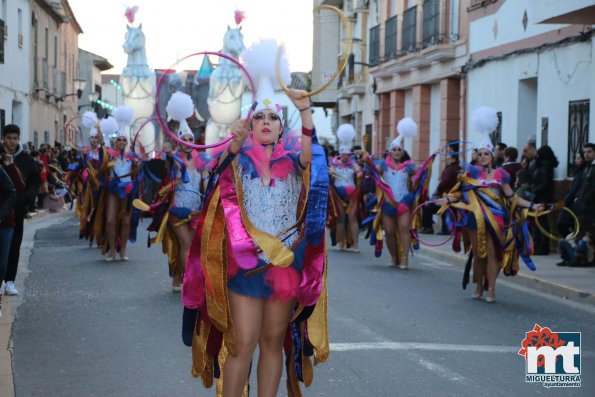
(177, 28)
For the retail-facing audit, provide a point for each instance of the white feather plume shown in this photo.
(89, 119)
(124, 115)
(260, 60)
(345, 133)
(407, 128)
(180, 106)
(108, 126)
(484, 120)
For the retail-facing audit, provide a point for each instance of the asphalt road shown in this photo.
(91, 328)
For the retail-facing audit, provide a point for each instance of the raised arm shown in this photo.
(302, 103)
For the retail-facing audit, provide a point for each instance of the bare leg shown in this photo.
(404, 221)
(124, 229)
(184, 234)
(354, 230)
(388, 224)
(479, 265)
(493, 269)
(111, 222)
(247, 316)
(270, 344)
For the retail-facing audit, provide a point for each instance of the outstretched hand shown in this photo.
(299, 98)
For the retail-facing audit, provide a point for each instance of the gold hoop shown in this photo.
(552, 236)
(342, 62)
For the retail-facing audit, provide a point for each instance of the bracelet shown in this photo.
(307, 132)
(301, 110)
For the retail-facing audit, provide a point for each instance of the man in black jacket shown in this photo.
(585, 198)
(11, 135)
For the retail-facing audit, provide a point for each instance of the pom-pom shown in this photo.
(239, 16)
(180, 106)
(345, 133)
(484, 120)
(89, 119)
(260, 60)
(109, 126)
(407, 128)
(124, 115)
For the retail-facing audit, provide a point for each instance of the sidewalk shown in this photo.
(40, 220)
(576, 283)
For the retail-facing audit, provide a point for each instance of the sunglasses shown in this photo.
(270, 116)
(121, 140)
(481, 154)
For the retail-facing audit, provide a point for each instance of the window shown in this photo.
(431, 34)
(47, 44)
(390, 38)
(35, 47)
(35, 139)
(497, 134)
(2, 119)
(374, 56)
(46, 136)
(408, 37)
(55, 51)
(2, 32)
(20, 26)
(578, 130)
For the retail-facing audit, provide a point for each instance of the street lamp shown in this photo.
(79, 86)
(93, 97)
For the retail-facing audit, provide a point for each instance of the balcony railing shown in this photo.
(374, 55)
(431, 24)
(408, 42)
(390, 38)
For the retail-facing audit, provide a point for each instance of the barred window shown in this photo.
(578, 130)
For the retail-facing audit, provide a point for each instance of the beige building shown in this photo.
(54, 70)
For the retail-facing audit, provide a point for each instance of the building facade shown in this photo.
(15, 87)
(533, 62)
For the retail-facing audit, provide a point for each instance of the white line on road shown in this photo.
(423, 346)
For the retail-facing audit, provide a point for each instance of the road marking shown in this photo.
(423, 346)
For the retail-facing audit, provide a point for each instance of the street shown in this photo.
(91, 328)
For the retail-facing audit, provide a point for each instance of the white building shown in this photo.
(15, 86)
(532, 60)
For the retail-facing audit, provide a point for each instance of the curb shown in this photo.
(40, 220)
(526, 280)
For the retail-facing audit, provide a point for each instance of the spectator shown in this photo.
(499, 154)
(529, 152)
(11, 135)
(510, 164)
(474, 157)
(577, 254)
(63, 160)
(585, 198)
(565, 221)
(543, 188)
(447, 181)
(523, 185)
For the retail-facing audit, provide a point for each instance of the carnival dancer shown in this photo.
(488, 213)
(180, 196)
(396, 194)
(256, 268)
(121, 187)
(86, 177)
(345, 193)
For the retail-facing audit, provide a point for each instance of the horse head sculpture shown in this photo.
(233, 42)
(134, 46)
